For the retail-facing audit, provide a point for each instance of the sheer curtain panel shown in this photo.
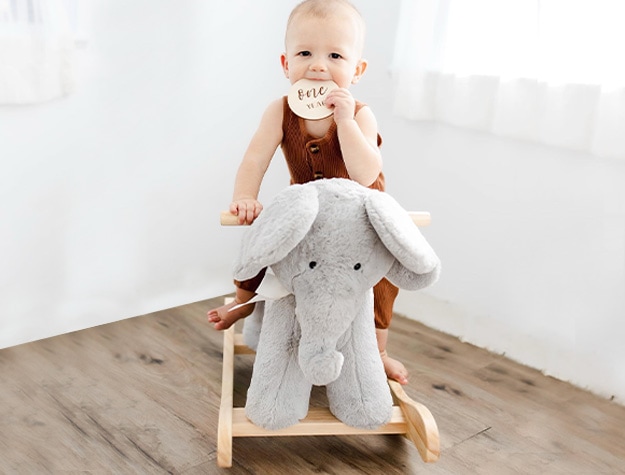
(550, 71)
(36, 50)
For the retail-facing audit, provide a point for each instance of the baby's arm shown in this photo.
(255, 162)
(358, 137)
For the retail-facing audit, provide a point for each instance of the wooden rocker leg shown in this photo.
(421, 427)
(224, 429)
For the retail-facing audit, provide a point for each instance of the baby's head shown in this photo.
(324, 40)
(341, 10)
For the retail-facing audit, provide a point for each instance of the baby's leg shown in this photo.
(384, 294)
(394, 369)
(222, 319)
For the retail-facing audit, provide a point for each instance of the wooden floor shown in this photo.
(142, 396)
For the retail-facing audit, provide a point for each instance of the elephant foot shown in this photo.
(361, 397)
(356, 412)
(276, 416)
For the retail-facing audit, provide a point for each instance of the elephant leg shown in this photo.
(252, 326)
(278, 395)
(361, 397)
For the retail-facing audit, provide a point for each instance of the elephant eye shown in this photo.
(312, 264)
(357, 266)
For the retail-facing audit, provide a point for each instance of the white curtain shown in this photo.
(37, 44)
(550, 71)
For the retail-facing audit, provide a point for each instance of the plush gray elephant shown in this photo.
(327, 242)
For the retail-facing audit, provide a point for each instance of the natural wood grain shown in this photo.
(421, 427)
(224, 429)
(319, 421)
(420, 218)
(142, 396)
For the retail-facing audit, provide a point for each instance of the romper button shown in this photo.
(318, 175)
(314, 148)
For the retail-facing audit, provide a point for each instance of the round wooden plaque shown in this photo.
(307, 98)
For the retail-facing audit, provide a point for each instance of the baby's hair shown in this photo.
(326, 8)
(322, 8)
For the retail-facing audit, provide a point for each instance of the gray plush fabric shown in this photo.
(328, 242)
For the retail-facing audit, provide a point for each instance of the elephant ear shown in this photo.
(416, 264)
(277, 230)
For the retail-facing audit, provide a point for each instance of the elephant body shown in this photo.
(328, 242)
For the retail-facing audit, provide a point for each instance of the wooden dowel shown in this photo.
(420, 218)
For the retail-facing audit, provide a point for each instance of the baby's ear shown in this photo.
(285, 64)
(360, 70)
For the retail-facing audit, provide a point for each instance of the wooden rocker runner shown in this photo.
(409, 418)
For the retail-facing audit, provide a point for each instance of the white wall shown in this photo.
(110, 197)
(532, 240)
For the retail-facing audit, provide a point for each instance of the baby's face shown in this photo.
(322, 49)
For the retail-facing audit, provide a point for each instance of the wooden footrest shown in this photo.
(319, 421)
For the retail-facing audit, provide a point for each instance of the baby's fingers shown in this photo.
(249, 215)
(257, 209)
(246, 211)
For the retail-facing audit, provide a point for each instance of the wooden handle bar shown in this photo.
(420, 218)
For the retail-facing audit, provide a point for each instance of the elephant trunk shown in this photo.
(322, 325)
(320, 363)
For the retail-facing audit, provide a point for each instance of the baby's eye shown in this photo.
(304, 53)
(335, 56)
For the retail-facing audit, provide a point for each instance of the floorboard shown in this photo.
(142, 396)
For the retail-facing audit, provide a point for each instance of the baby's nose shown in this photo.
(318, 66)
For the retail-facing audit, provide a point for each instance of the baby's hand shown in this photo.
(343, 104)
(246, 209)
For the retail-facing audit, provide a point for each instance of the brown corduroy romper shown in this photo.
(310, 158)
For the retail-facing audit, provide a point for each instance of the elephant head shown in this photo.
(329, 242)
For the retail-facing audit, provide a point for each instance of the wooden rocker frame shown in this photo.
(409, 418)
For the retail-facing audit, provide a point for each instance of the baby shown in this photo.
(324, 41)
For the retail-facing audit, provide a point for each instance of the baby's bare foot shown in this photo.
(222, 319)
(394, 369)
